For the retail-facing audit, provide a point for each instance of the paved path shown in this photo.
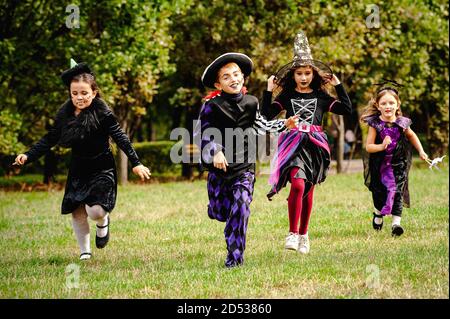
(353, 166)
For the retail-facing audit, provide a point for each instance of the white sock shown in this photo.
(102, 232)
(396, 220)
(81, 229)
(100, 216)
(378, 220)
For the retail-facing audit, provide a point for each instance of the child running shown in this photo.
(386, 170)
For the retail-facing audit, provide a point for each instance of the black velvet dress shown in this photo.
(92, 177)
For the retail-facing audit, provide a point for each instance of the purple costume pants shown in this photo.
(229, 202)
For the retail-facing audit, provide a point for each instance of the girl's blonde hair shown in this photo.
(372, 107)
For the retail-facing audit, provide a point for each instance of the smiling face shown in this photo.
(230, 79)
(81, 94)
(388, 106)
(303, 77)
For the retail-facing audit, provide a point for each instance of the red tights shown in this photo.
(298, 205)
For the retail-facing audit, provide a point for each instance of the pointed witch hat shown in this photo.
(75, 69)
(303, 57)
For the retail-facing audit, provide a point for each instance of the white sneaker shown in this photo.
(85, 256)
(292, 241)
(303, 247)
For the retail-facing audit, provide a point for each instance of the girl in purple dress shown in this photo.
(389, 146)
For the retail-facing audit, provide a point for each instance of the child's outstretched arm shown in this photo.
(124, 143)
(44, 144)
(371, 147)
(261, 125)
(414, 140)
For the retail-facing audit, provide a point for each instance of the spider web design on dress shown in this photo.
(305, 109)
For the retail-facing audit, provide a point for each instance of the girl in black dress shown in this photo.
(85, 123)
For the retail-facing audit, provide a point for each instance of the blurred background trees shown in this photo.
(149, 57)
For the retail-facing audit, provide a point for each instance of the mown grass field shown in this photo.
(163, 245)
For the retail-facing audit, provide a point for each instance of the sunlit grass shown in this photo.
(163, 245)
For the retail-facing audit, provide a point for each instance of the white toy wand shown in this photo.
(434, 162)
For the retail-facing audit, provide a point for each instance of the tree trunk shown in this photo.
(187, 170)
(123, 168)
(339, 120)
(123, 161)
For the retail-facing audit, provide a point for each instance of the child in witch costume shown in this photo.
(388, 144)
(303, 155)
(230, 182)
(85, 123)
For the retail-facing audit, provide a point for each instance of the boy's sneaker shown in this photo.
(397, 230)
(303, 246)
(292, 241)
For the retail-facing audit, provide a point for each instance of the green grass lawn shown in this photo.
(163, 245)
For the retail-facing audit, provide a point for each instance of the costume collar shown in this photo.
(232, 97)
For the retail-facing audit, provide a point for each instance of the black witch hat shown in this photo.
(75, 69)
(387, 84)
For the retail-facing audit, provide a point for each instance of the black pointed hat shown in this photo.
(75, 69)
(209, 76)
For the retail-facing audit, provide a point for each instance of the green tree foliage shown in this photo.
(126, 43)
(9, 131)
(149, 56)
(409, 44)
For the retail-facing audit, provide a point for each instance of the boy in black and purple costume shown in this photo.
(231, 177)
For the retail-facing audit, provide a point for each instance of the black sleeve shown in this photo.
(47, 141)
(343, 105)
(270, 109)
(121, 139)
(209, 146)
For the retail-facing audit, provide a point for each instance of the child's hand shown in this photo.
(333, 79)
(291, 122)
(220, 161)
(20, 159)
(387, 140)
(423, 156)
(142, 171)
(271, 83)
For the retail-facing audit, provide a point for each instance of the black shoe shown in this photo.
(375, 225)
(101, 242)
(397, 230)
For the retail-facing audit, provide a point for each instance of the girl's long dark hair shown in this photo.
(288, 84)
